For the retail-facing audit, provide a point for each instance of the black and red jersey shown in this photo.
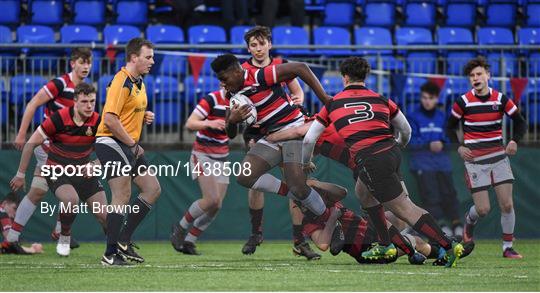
(5, 221)
(331, 145)
(355, 229)
(482, 123)
(70, 144)
(274, 106)
(61, 90)
(214, 143)
(362, 118)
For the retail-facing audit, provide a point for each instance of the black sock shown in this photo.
(434, 253)
(66, 220)
(400, 241)
(256, 220)
(114, 225)
(298, 236)
(134, 219)
(427, 226)
(376, 214)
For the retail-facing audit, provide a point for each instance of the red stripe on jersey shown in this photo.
(211, 141)
(486, 151)
(62, 90)
(482, 135)
(331, 145)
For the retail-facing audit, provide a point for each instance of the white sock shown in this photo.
(267, 183)
(24, 213)
(58, 227)
(314, 203)
(473, 216)
(194, 212)
(199, 226)
(508, 221)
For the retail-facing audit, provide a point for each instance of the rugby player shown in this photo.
(8, 208)
(486, 158)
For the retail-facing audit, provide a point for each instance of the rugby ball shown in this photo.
(240, 100)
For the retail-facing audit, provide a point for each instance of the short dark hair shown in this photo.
(85, 89)
(84, 53)
(224, 62)
(430, 88)
(357, 68)
(259, 32)
(473, 63)
(134, 47)
(12, 197)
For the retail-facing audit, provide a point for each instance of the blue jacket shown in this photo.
(427, 127)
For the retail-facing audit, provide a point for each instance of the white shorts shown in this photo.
(203, 165)
(482, 176)
(41, 155)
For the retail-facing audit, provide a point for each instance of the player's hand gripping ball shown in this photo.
(241, 100)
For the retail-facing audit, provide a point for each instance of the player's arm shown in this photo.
(452, 126)
(322, 237)
(117, 94)
(291, 70)
(402, 127)
(290, 133)
(297, 94)
(308, 145)
(520, 125)
(40, 99)
(37, 138)
(198, 118)
(233, 116)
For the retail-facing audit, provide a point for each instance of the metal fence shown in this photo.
(173, 91)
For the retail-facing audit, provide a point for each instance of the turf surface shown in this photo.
(222, 267)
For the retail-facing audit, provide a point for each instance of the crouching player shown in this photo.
(208, 157)
(8, 208)
(71, 132)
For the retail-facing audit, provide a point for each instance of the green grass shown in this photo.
(222, 267)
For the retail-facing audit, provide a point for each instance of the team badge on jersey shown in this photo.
(89, 131)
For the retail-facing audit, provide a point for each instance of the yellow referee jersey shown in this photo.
(126, 98)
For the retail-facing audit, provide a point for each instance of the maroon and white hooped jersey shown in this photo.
(211, 142)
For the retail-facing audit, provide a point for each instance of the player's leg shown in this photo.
(429, 189)
(120, 194)
(300, 245)
(374, 209)
(260, 159)
(99, 199)
(478, 179)
(508, 218)
(213, 190)
(68, 197)
(256, 206)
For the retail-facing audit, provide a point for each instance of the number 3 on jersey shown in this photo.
(364, 111)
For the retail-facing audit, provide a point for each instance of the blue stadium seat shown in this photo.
(534, 64)
(533, 14)
(529, 36)
(498, 36)
(24, 87)
(35, 34)
(290, 35)
(339, 14)
(78, 34)
(165, 88)
(89, 12)
(237, 37)
(103, 82)
(206, 34)
(332, 84)
(131, 12)
(461, 14)
(173, 65)
(194, 92)
(11, 10)
(119, 34)
(501, 14)
(373, 36)
(40, 59)
(7, 57)
(417, 61)
(168, 113)
(165, 34)
(48, 12)
(331, 36)
(455, 36)
(420, 14)
(413, 84)
(380, 14)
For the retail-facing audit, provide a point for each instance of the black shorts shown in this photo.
(85, 187)
(113, 155)
(380, 173)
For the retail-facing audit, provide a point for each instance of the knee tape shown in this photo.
(40, 183)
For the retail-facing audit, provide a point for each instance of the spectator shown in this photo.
(430, 163)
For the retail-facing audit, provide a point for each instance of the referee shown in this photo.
(117, 144)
